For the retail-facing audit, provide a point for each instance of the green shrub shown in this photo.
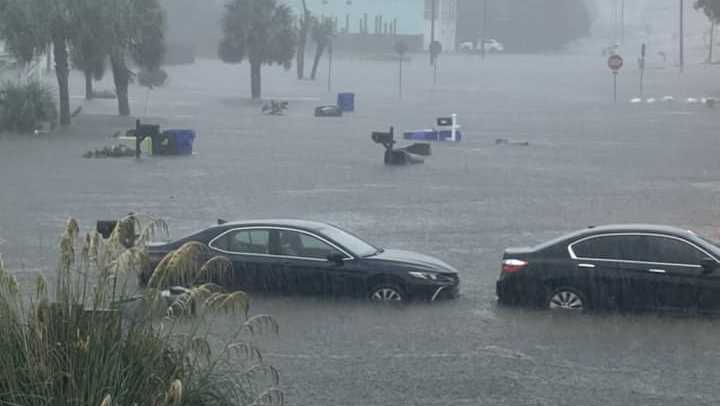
(95, 344)
(25, 106)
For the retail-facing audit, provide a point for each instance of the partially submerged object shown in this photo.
(447, 130)
(328, 111)
(150, 140)
(112, 151)
(505, 141)
(275, 108)
(400, 156)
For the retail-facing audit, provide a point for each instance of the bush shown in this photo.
(25, 106)
(96, 344)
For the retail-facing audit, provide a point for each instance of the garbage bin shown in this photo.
(346, 102)
(164, 144)
(184, 139)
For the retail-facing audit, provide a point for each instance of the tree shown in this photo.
(90, 41)
(137, 30)
(29, 26)
(711, 9)
(305, 22)
(260, 31)
(322, 34)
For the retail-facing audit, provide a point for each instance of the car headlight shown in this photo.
(424, 275)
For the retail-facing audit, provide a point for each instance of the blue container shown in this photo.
(183, 140)
(346, 102)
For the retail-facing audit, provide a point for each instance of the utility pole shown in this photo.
(432, 29)
(622, 21)
(712, 41)
(483, 35)
(330, 66)
(682, 35)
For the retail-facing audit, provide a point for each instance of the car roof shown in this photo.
(620, 228)
(292, 223)
(638, 228)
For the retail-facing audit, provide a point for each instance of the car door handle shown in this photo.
(588, 266)
(657, 270)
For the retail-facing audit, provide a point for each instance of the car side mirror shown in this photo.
(709, 265)
(337, 259)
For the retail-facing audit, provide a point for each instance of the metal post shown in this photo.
(484, 30)
(432, 29)
(682, 35)
(401, 77)
(622, 21)
(615, 87)
(712, 41)
(330, 64)
(453, 131)
(643, 50)
(435, 72)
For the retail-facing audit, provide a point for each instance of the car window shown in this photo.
(606, 247)
(618, 247)
(673, 251)
(244, 242)
(296, 244)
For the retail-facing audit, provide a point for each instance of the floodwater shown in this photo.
(589, 162)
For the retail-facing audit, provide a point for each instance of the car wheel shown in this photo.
(567, 299)
(386, 294)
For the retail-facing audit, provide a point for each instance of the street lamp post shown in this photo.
(682, 35)
(484, 30)
(433, 4)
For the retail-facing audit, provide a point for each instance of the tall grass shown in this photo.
(95, 341)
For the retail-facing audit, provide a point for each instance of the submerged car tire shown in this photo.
(386, 293)
(567, 299)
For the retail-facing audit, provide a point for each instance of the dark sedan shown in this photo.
(615, 267)
(295, 256)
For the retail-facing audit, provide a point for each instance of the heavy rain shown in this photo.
(512, 125)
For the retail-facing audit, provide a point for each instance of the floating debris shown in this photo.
(505, 141)
(113, 151)
(275, 108)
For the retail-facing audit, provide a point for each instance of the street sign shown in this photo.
(615, 62)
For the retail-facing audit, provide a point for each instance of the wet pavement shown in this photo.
(588, 162)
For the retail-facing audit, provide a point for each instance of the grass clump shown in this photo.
(25, 107)
(99, 341)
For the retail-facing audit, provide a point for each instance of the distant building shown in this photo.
(403, 17)
(445, 23)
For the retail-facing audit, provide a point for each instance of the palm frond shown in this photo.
(271, 397)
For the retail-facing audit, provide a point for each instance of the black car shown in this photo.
(295, 256)
(615, 267)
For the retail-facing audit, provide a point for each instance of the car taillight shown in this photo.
(513, 265)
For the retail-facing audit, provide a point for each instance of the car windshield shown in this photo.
(350, 241)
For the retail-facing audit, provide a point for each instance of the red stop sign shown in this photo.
(615, 62)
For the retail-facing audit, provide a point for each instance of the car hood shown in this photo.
(414, 259)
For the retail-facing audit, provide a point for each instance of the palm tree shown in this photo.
(322, 33)
(137, 32)
(305, 22)
(260, 31)
(90, 42)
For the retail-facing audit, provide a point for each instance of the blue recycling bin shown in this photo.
(346, 102)
(183, 140)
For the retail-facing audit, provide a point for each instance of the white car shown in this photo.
(492, 45)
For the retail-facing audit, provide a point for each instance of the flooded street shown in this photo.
(588, 162)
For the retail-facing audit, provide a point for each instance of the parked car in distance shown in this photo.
(492, 45)
(305, 257)
(615, 267)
